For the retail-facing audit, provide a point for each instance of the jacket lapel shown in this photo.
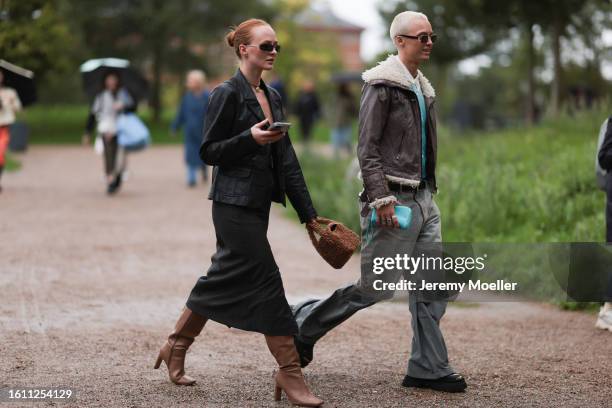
(251, 101)
(248, 95)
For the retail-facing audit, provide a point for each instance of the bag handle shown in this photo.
(315, 227)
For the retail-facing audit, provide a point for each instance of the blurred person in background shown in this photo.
(345, 111)
(9, 105)
(307, 109)
(106, 107)
(604, 318)
(277, 83)
(190, 117)
(253, 167)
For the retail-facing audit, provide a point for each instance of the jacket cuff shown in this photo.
(248, 141)
(379, 202)
(307, 216)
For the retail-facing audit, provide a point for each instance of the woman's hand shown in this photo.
(264, 137)
(386, 217)
(312, 223)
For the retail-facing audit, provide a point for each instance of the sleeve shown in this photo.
(129, 105)
(91, 117)
(91, 123)
(296, 185)
(16, 102)
(179, 119)
(373, 113)
(317, 105)
(219, 147)
(605, 153)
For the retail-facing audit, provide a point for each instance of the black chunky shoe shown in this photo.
(451, 383)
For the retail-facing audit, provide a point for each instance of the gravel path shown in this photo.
(91, 285)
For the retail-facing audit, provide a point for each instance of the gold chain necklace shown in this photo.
(256, 87)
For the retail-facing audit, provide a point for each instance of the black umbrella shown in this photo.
(94, 71)
(21, 80)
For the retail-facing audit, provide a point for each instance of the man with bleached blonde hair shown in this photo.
(397, 155)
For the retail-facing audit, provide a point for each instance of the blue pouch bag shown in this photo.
(403, 213)
(404, 218)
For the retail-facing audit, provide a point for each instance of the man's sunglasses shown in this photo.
(267, 47)
(421, 37)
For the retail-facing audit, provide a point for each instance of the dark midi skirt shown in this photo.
(243, 286)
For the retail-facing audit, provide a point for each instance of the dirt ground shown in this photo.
(91, 285)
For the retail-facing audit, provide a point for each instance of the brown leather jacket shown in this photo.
(389, 147)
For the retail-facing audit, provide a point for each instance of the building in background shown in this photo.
(315, 41)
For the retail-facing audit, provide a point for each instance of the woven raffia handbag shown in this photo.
(333, 241)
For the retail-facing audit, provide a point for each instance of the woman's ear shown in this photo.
(243, 50)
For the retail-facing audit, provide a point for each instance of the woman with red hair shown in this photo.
(252, 167)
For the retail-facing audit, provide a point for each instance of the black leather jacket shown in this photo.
(242, 174)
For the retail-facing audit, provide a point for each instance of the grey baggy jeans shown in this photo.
(315, 317)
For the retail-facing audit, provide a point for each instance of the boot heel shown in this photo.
(277, 393)
(158, 362)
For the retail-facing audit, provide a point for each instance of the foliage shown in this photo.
(306, 55)
(159, 34)
(65, 124)
(523, 185)
(35, 36)
(11, 163)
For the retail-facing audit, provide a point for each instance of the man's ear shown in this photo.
(398, 41)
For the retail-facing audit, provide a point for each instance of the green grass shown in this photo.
(11, 163)
(65, 124)
(523, 185)
(520, 185)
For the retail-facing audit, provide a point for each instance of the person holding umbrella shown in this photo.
(9, 104)
(108, 104)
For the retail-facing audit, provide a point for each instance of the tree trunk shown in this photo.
(556, 83)
(156, 91)
(530, 112)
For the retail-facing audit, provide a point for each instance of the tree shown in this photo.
(462, 33)
(159, 33)
(303, 56)
(34, 35)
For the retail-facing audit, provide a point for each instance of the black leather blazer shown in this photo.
(241, 175)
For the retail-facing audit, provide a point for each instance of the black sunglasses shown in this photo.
(421, 37)
(267, 47)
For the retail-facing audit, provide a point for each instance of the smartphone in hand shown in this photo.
(282, 126)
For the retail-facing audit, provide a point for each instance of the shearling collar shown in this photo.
(391, 70)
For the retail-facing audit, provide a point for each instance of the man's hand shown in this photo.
(264, 137)
(85, 139)
(385, 216)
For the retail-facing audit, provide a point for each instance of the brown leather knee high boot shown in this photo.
(188, 326)
(289, 377)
